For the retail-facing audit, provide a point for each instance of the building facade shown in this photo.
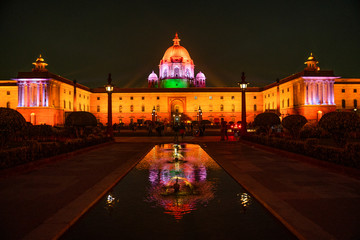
(46, 98)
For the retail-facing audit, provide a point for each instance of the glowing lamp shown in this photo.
(243, 84)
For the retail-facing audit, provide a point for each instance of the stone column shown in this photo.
(19, 94)
(28, 95)
(306, 93)
(332, 92)
(38, 94)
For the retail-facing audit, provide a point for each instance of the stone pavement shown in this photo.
(313, 202)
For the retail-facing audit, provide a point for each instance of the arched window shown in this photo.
(355, 103)
(8, 104)
(176, 72)
(343, 103)
(288, 102)
(131, 108)
(120, 109)
(255, 108)
(221, 108)
(143, 108)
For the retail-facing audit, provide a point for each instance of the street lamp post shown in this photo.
(109, 89)
(199, 115)
(243, 85)
(154, 115)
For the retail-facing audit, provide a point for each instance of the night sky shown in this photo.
(85, 40)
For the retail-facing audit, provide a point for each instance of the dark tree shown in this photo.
(11, 121)
(79, 121)
(294, 123)
(266, 121)
(339, 125)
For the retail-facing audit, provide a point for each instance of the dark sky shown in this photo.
(85, 40)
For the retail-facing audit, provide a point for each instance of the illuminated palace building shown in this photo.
(177, 93)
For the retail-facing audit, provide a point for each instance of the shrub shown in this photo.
(293, 124)
(11, 121)
(266, 121)
(339, 125)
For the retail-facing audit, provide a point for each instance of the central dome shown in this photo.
(176, 53)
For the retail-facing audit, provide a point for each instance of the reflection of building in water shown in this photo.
(178, 186)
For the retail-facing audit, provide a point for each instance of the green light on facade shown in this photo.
(174, 83)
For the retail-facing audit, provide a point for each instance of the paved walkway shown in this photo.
(313, 202)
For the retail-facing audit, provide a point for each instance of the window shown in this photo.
(273, 105)
(282, 91)
(233, 108)
(343, 90)
(255, 108)
(69, 105)
(8, 93)
(355, 90)
(98, 108)
(254, 97)
(210, 97)
(131, 108)
(120, 98)
(343, 103)
(158, 108)
(79, 95)
(64, 104)
(87, 97)
(98, 98)
(131, 98)
(265, 96)
(268, 105)
(143, 108)
(288, 89)
(84, 96)
(80, 107)
(64, 90)
(69, 92)
(142, 98)
(288, 102)
(210, 108)
(355, 103)
(8, 104)
(120, 109)
(88, 108)
(283, 103)
(232, 97)
(158, 98)
(221, 108)
(221, 97)
(269, 95)
(195, 97)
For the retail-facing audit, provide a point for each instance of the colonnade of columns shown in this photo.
(33, 94)
(319, 92)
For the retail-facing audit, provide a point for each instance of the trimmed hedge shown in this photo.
(34, 150)
(348, 156)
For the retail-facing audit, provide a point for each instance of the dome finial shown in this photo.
(40, 65)
(176, 39)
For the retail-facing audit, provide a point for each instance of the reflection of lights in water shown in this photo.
(245, 199)
(110, 199)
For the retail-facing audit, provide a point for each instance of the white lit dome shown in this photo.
(153, 76)
(200, 75)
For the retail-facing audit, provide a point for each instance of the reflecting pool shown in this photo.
(178, 192)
